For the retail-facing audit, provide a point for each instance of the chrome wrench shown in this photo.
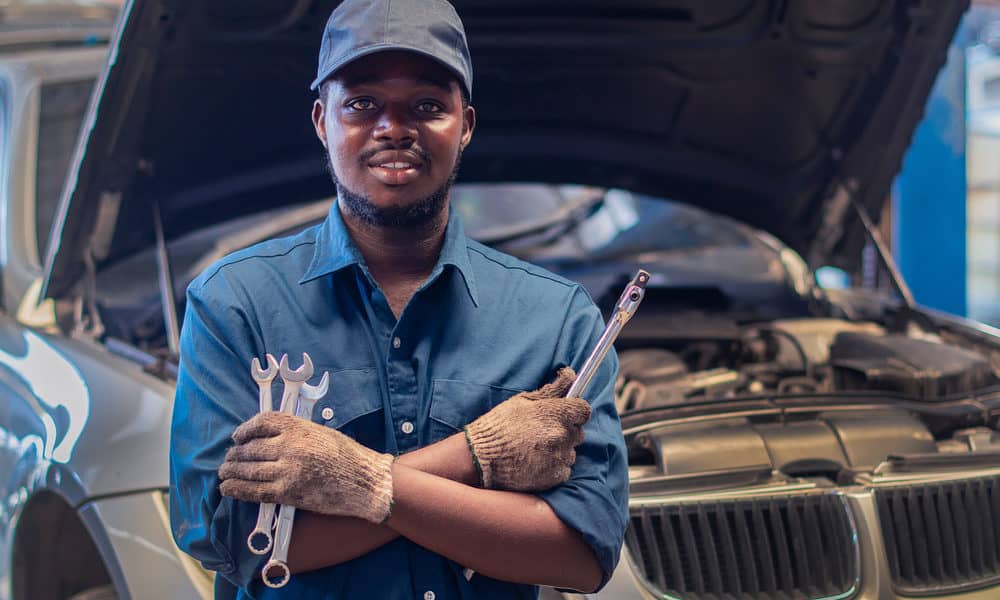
(310, 394)
(293, 380)
(627, 304)
(265, 517)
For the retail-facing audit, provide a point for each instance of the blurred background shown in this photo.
(944, 218)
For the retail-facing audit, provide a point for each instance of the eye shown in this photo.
(429, 107)
(361, 104)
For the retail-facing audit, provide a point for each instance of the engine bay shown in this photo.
(799, 356)
(821, 399)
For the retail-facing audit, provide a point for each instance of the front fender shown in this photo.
(79, 419)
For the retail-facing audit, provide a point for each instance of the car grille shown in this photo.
(799, 547)
(942, 537)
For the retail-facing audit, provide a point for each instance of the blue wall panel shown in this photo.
(929, 228)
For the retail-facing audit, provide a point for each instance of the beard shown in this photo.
(418, 214)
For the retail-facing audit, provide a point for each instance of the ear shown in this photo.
(468, 124)
(319, 120)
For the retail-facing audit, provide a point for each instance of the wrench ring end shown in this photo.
(267, 539)
(276, 582)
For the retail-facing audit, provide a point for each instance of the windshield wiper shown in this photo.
(548, 228)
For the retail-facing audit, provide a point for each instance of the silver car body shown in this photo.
(83, 432)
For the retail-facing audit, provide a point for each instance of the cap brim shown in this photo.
(376, 48)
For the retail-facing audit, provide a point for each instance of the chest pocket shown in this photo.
(455, 404)
(352, 404)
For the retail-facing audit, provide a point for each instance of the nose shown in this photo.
(396, 125)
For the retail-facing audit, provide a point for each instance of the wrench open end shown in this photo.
(315, 392)
(260, 374)
(310, 394)
(303, 373)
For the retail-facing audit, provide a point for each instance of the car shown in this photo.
(797, 425)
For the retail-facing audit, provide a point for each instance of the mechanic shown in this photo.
(429, 470)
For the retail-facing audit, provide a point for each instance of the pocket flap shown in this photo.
(457, 403)
(353, 393)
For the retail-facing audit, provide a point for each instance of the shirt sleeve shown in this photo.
(594, 500)
(215, 394)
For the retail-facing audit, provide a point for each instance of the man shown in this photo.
(427, 471)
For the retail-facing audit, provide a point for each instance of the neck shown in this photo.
(396, 254)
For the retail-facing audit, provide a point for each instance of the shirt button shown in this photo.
(407, 427)
(396, 343)
(327, 413)
(429, 595)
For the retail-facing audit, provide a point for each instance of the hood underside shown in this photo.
(769, 111)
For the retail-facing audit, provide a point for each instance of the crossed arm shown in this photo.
(525, 443)
(504, 535)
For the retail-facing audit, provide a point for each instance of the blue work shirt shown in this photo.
(483, 327)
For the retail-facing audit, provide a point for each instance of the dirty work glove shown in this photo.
(527, 442)
(288, 460)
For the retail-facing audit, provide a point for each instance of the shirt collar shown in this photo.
(335, 250)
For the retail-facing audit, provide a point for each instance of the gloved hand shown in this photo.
(288, 460)
(527, 442)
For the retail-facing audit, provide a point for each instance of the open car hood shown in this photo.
(780, 114)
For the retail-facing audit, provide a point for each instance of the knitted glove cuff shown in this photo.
(475, 459)
(380, 507)
(488, 444)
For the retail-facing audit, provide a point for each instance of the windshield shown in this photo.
(544, 222)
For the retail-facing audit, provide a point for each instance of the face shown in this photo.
(394, 127)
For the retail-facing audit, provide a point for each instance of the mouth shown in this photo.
(395, 167)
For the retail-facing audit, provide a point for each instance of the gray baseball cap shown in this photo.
(428, 27)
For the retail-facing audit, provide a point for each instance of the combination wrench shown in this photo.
(310, 394)
(293, 380)
(265, 517)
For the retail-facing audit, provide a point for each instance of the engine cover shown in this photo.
(914, 367)
(857, 440)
